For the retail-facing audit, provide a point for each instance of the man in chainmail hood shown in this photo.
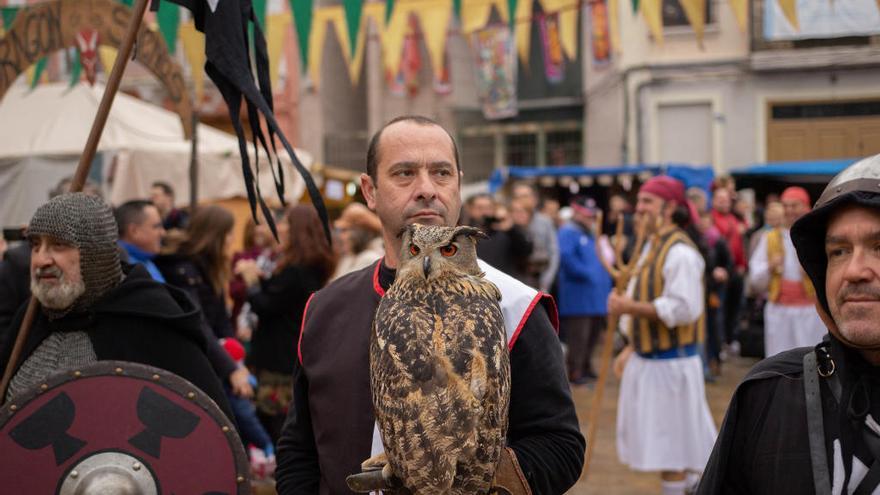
(93, 308)
(806, 420)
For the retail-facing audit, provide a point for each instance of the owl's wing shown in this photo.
(440, 377)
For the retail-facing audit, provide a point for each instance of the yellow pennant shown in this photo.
(523, 29)
(695, 11)
(741, 12)
(276, 26)
(434, 16)
(568, 23)
(614, 24)
(194, 50)
(789, 8)
(475, 13)
(107, 54)
(394, 36)
(372, 11)
(322, 17)
(652, 10)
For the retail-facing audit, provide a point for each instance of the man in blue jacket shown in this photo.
(584, 285)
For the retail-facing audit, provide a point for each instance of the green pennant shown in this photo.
(353, 19)
(168, 18)
(260, 13)
(635, 4)
(9, 14)
(75, 68)
(389, 9)
(259, 7)
(38, 71)
(511, 9)
(456, 8)
(302, 17)
(128, 3)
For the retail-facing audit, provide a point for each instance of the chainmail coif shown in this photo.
(87, 223)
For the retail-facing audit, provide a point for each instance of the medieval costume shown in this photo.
(331, 428)
(663, 420)
(121, 315)
(802, 421)
(790, 319)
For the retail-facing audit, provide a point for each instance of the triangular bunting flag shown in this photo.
(741, 12)
(194, 50)
(389, 9)
(39, 67)
(695, 11)
(652, 10)
(511, 9)
(789, 8)
(475, 13)
(107, 54)
(614, 24)
(9, 14)
(302, 18)
(456, 8)
(635, 4)
(168, 18)
(276, 26)
(392, 38)
(434, 18)
(568, 20)
(353, 22)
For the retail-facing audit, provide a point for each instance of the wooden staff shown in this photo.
(82, 170)
(621, 273)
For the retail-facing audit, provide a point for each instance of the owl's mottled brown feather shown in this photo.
(440, 370)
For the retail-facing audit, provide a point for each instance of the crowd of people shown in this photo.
(276, 333)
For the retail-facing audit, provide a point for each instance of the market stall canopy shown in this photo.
(817, 169)
(690, 175)
(773, 177)
(43, 131)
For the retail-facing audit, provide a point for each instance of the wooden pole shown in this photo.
(82, 170)
(621, 276)
(194, 165)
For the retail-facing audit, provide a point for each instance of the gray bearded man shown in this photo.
(94, 309)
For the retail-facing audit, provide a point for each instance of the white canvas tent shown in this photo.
(43, 132)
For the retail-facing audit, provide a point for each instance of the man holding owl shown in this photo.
(663, 420)
(414, 177)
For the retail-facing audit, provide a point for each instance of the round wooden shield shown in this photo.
(123, 428)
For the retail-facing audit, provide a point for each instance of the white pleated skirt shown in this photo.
(788, 327)
(663, 419)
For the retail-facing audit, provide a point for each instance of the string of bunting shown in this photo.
(395, 20)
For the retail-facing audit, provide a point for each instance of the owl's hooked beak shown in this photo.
(426, 265)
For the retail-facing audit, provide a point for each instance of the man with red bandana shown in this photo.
(790, 319)
(663, 420)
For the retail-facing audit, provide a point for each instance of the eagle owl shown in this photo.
(439, 366)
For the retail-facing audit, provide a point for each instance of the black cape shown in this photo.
(141, 321)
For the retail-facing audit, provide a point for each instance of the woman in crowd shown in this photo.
(259, 245)
(201, 265)
(360, 239)
(305, 262)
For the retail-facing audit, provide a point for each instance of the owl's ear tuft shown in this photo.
(473, 233)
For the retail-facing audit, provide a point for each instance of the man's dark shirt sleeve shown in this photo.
(543, 431)
(298, 471)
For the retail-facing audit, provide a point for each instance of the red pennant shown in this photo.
(87, 41)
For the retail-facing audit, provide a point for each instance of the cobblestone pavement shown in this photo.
(609, 477)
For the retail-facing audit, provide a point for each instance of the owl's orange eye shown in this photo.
(449, 250)
(413, 249)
